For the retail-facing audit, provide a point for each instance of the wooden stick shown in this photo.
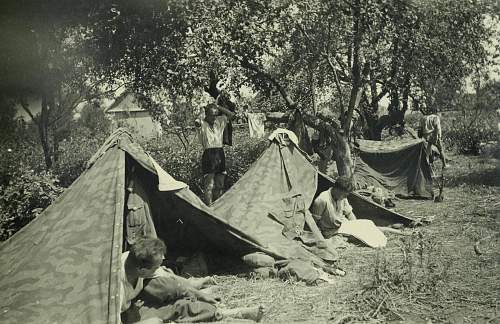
(392, 230)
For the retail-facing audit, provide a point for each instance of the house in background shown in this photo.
(127, 112)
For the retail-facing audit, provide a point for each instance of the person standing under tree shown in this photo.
(430, 131)
(213, 160)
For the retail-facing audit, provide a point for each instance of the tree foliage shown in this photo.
(315, 55)
(310, 52)
(43, 64)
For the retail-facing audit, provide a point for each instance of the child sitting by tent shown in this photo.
(166, 297)
(331, 207)
(333, 214)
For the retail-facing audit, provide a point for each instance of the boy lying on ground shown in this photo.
(166, 297)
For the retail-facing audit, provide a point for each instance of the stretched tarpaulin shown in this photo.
(276, 192)
(183, 205)
(399, 166)
(62, 267)
(275, 189)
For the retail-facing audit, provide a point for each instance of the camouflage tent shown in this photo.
(400, 166)
(63, 267)
(272, 197)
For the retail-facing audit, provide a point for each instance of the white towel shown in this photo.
(256, 124)
(165, 181)
(365, 231)
(283, 135)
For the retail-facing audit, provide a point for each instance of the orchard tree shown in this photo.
(361, 49)
(41, 61)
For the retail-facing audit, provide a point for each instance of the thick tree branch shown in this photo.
(289, 102)
(343, 159)
(337, 84)
(25, 107)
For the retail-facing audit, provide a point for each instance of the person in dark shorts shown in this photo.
(213, 160)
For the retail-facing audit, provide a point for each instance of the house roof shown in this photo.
(126, 102)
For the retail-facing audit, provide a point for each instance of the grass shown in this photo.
(434, 275)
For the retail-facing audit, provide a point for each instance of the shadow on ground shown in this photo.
(490, 177)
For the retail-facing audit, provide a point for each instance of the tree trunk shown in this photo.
(44, 133)
(313, 91)
(356, 78)
(342, 156)
(406, 95)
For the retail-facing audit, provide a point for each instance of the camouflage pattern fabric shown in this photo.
(190, 208)
(62, 267)
(399, 166)
(267, 192)
(271, 187)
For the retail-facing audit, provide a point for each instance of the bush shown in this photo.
(241, 155)
(16, 155)
(180, 163)
(74, 152)
(467, 139)
(25, 188)
(185, 165)
(24, 197)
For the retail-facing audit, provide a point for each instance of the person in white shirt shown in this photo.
(331, 207)
(213, 160)
(430, 131)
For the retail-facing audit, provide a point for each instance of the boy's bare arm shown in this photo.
(230, 115)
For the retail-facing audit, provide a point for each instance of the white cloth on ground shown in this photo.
(365, 231)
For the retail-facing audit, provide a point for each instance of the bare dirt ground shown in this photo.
(433, 275)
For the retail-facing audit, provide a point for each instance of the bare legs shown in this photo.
(219, 185)
(214, 186)
(250, 313)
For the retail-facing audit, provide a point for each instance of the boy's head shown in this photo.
(211, 112)
(342, 187)
(148, 254)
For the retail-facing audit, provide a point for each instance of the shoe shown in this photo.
(389, 204)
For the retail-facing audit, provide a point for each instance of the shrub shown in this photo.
(419, 268)
(182, 164)
(466, 139)
(241, 155)
(19, 154)
(24, 197)
(185, 165)
(74, 152)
